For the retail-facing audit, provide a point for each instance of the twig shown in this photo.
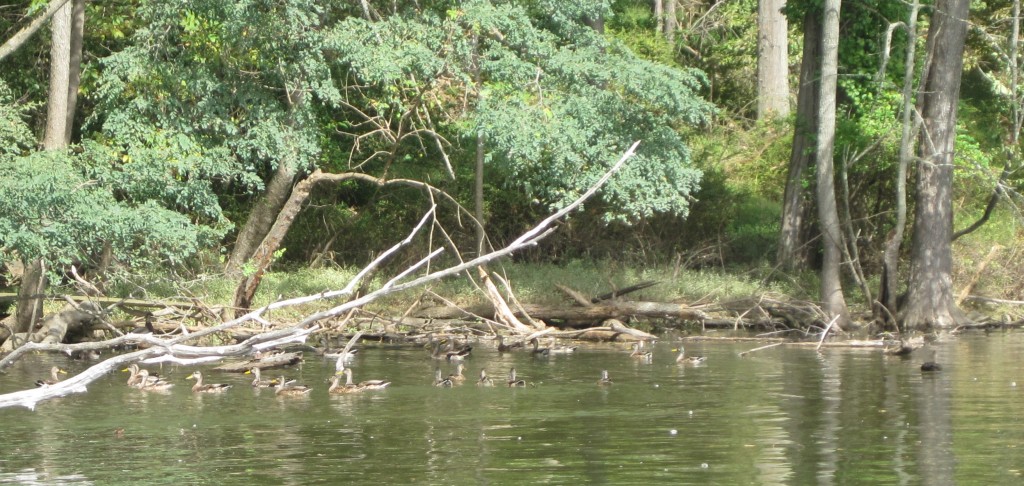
(825, 332)
(744, 353)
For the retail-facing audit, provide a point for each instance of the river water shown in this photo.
(785, 415)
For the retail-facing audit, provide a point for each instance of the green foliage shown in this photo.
(557, 103)
(15, 136)
(52, 211)
(219, 88)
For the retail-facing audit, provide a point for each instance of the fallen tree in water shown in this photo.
(176, 350)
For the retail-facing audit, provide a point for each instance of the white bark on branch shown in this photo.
(175, 350)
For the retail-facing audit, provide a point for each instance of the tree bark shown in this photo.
(930, 303)
(258, 226)
(30, 302)
(772, 60)
(671, 22)
(890, 260)
(74, 65)
(33, 282)
(57, 102)
(659, 15)
(833, 302)
(793, 252)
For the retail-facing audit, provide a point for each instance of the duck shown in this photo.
(259, 382)
(484, 379)
(457, 377)
(364, 385)
(506, 348)
(201, 387)
(151, 383)
(604, 381)
(337, 388)
(512, 381)
(440, 381)
(931, 365)
(539, 351)
(285, 388)
(54, 371)
(682, 358)
(134, 379)
(558, 349)
(639, 353)
(342, 354)
(458, 352)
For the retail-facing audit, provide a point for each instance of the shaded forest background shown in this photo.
(190, 117)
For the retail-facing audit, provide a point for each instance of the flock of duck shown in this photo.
(446, 350)
(458, 353)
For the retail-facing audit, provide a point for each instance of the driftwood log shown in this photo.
(594, 313)
(262, 362)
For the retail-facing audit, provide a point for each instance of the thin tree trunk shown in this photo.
(793, 252)
(33, 282)
(659, 15)
(671, 23)
(890, 260)
(832, 298)
(265, 212)
(930, 303)
(57, 102)
(772, 60)
(74, 65)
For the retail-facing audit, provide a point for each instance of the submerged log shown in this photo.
(594, 313)
(279, 360)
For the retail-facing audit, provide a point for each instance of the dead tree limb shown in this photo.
(175, 347)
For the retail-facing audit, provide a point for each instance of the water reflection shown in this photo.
(787, 415)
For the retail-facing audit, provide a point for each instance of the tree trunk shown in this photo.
(74, 65)
(930, 302)
(832, 298)
(57, 102)
(659, 15)
(30, 303)
(793, 252)
(772, 60)
(890, 260)
(265, 212)
(33, 282)
(671, 23)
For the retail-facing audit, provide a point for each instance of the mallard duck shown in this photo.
(554, 348)
(201, 387)
(441, 381)
(135, 378)
(505, 348)
(54, 371)
(285, 388)
(259, 382)
(458, 352)
(604, 381)
(682, 358)
(364, 385)
(151, 383)
(639, 353)
(341, 354)
(512, 381)
(484, 379)
(337, 388)
(931, 365)
(539, 351)
(457, 377)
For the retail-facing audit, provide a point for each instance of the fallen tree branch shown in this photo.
(78, 383)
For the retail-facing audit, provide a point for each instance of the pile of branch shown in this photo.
(176, 350)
